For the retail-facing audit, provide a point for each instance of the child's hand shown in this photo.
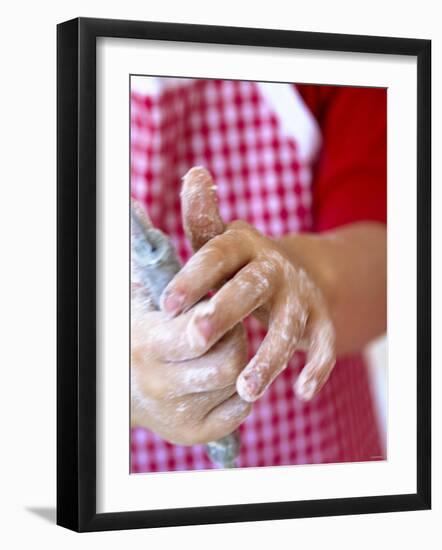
(255, 275)
(184, 395)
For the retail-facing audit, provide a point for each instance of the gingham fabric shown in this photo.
(262, 177)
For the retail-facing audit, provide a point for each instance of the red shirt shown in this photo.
(285, 159)
(350, 176)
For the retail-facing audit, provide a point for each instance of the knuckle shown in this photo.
(214, 251)
(276, 259)
(243, 230)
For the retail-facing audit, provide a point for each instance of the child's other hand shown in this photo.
(253, 274)
(185, 396)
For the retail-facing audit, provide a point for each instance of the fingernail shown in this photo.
(306, 389)
(248, 386)
(173, 302)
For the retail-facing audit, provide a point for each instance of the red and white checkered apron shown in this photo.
(230, 128)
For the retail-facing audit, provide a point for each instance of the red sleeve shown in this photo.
(350, 177)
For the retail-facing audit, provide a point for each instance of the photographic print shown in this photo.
(258, 273)
(235, 208)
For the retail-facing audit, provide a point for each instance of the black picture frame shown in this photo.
(76, 273)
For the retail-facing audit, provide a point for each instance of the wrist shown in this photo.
(311, 253)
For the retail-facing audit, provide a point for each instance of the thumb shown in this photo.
(199, 207)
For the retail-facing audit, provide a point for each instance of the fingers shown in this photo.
(202, 222)
(217, 260)
(321, 357)
(170, 339)
(224, 419)
(156, 336)
(251, 287)
(182, 421)
(273, 354)
(217, 369)
(199, 206)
